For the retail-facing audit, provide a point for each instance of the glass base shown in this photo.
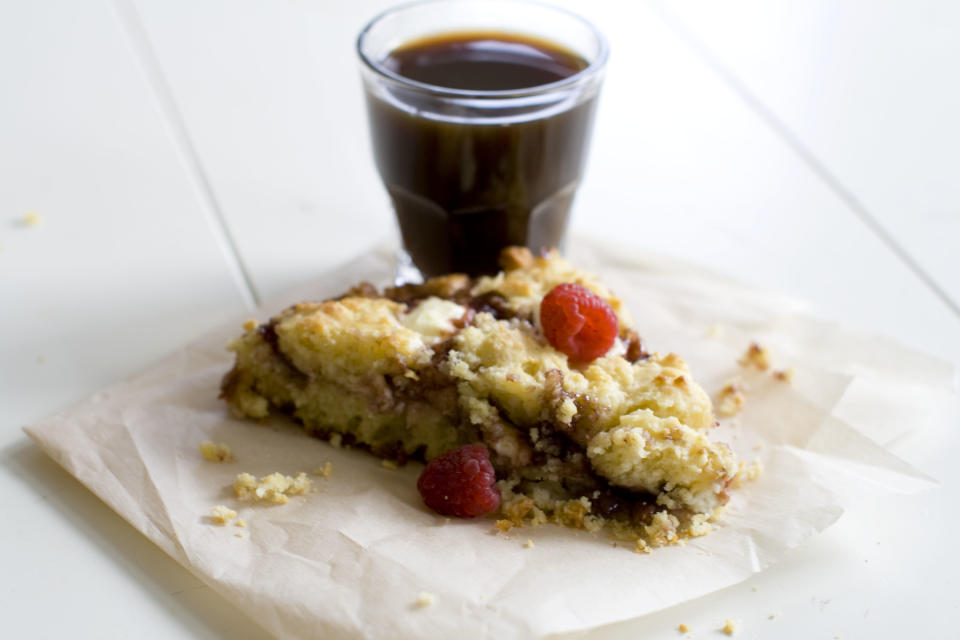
(406, 272)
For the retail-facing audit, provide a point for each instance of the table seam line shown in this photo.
(813, 163)
(132, 28)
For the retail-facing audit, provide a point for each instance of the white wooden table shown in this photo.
(187, 159)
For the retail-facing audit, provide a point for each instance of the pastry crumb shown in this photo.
(730, 627)
(716, 331)
(336, 440)
(756, 357)
(425, 599)
(528, 544)
(731, 398)
(785, 375)
(216, 452)
(773, 615)
(754, 588)
(250, 325)
(222, 515)
(747, 473)
(326, 470)
(388, 464)
(240, 522)
(503, 525)
(238, 534)
(32, 219)
(682, 628)
(275, 488)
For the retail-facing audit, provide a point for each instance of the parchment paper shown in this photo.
(351, 559)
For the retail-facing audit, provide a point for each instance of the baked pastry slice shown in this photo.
(618, 442)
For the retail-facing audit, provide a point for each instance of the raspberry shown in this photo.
(460, 483)
(578, 322)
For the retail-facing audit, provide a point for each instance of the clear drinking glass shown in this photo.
(471, 171)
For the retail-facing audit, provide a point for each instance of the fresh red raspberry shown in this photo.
(460, 483)
(578, 322)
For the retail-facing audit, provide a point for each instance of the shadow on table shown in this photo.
(200, 610)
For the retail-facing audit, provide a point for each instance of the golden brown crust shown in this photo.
(430, 367)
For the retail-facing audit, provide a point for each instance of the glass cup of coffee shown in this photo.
(480, 114)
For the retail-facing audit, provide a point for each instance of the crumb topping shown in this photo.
(747, 473)
(275, 488)
(785, 375)
(528, 279)
(222, 515)
(756, 357)
(32, 219)
(424, 599)
(650, 453)
(731, 398)
(730, 627)
(216, 452)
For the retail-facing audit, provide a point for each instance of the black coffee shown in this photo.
(464, 191)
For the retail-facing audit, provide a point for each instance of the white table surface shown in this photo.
(187, 159)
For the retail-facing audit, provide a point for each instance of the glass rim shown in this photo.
(583, 76)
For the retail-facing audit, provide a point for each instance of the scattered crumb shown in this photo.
(503, 525)
(785, 375)
(731, 398)
(836, 637)
(336, 440)
(222, 515)
(773, 615)
(716, 331)
(642, 546)
(240, 522)
(388, 464)
(682, 628)
(759, 447)
(754, 588)
(238, 534)
(747, 473)
(326, 470)
(41, 359)
(528, 544)
(756, 357)
(216, 452)
(250, 325)
(32, 219)
(275, 488)
(730, 627)
(425, 599)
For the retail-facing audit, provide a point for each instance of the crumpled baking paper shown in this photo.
(351, 559)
